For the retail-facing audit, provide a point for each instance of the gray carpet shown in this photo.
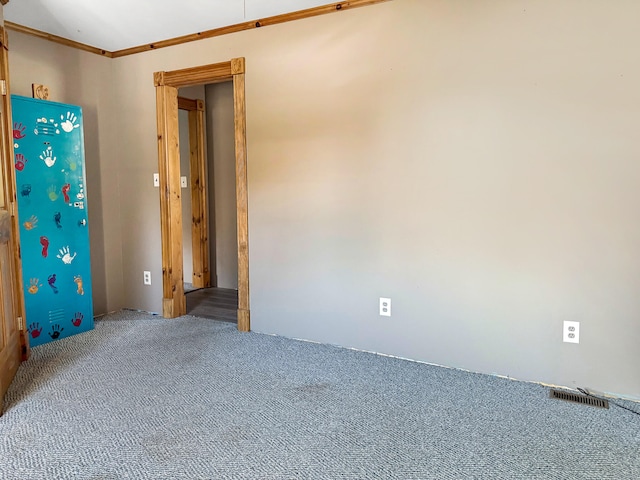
(142, 397)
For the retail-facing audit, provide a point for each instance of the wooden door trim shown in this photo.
(16, 340)
(167, 84)
(201, 277)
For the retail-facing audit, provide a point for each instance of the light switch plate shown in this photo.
(156, 179)
(183, 182)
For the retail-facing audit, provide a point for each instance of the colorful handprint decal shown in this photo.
(69, 123)
(78, 280)
(72, 164)
(56, 330)
(57, 218)
(35, 330)
(47, 157)
(77, 319)
(18, 131)
(34, 286)
(64, 254)
(25, 190)
(21, 161)
(52, 192)
(31, 223)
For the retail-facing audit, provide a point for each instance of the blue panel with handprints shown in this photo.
(52, 211)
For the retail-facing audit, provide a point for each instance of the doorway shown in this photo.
(210, 277)
(167, 84)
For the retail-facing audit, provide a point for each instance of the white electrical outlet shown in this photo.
(146, 277)
(385, 307)
(156, 179)
(183, 182)
(571, 332)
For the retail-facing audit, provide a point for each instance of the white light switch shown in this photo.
(156, 179)
(183, 182)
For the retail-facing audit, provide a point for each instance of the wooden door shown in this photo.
(12, 335)
(14, 345)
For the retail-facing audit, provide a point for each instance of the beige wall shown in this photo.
(84, 79)
(474, 161)
(185, 169)
(222, 183)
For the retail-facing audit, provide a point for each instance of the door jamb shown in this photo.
(167, 84)
(201, 277)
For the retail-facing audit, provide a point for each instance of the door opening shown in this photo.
(167, 84)
(198, 221)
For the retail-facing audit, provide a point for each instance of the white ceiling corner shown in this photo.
(120, 24)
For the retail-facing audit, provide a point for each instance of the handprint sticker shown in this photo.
(18, 131)
(25, 190)
(52, 282)
(48, 158)
(20, 162)
(65, 255)
(35, 330)
(31, 223)
(56, 330)
(65, 191)
(52, 192)
(69, 123)
(44, 241)
(57, 217)
(77, 319)
(78, 280)
(34, 286)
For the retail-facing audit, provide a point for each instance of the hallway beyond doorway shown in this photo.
(214, 303)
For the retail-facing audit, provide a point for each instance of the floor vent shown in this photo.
(579, 398)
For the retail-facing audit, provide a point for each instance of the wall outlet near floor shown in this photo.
(385, 307)
(571, 332)
(146, 277)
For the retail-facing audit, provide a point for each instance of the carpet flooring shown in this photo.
(141, 397)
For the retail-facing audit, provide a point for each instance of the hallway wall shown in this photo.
(222, 183)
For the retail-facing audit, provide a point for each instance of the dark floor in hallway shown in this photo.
(215, 303)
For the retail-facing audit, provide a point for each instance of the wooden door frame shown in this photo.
(16, 346)
(201, 277)
(167, 84)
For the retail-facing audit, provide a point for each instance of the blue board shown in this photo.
(52, 211)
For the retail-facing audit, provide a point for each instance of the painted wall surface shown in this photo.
(221, 155)
(84, 79)
(187, 249)
(475, 162)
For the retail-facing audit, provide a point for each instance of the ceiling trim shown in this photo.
(239, 27)
(56, 39)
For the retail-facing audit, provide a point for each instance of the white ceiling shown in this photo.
(119, 24)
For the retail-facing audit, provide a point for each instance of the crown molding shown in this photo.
(216, 32)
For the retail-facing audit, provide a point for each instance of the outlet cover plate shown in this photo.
(385, 307)
(571, 332)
